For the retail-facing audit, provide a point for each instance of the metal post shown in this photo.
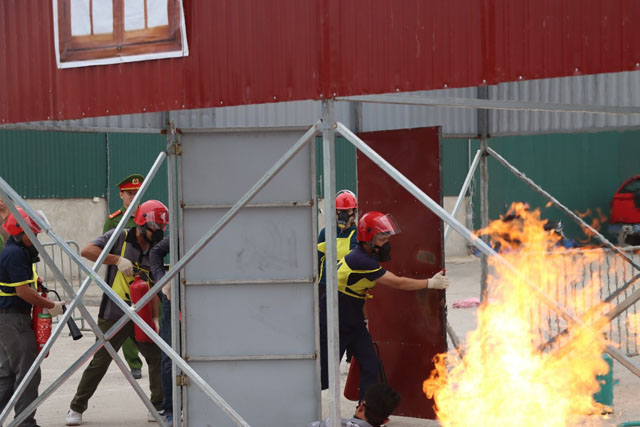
(483, 132)
(463, 190)
(174, 148)
(332, 321)
(469, 236)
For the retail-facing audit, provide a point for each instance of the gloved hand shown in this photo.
(438, 281)
(56, 310)
(125, 266)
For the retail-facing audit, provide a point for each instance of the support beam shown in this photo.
(491, 104)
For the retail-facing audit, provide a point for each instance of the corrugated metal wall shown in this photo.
(621, 89)
(54, 164)
(249, 52)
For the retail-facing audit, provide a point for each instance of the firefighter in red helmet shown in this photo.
(359, 272)
(18, 280)
(128, 256)
(346, 240)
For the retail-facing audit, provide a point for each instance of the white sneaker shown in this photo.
(151, 418)
(74, 418)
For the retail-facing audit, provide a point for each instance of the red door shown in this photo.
(409, 326)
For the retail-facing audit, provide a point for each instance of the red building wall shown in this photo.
(251, 51)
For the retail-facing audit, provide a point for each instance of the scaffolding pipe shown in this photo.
(463, 190)
(330, 265)
(470, 237)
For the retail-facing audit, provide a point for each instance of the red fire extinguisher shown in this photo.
(137, 289)
(41, 324)
(352, 386)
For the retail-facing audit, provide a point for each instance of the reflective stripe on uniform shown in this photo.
(34, 280)
(343, 247)
(357, 289)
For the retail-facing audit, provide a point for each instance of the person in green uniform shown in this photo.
(128, 189)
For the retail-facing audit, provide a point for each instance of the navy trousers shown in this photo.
(353, 336)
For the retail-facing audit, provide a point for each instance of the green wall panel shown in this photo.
(582, 171)
(345, 157)
(455, 165)
(54, 164)
(136, 153)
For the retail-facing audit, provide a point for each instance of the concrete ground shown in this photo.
(116, 404)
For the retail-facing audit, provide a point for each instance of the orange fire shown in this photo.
(508, 376)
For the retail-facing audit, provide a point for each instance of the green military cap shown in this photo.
(132, 182)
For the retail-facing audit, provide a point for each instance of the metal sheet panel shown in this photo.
(409, 326)
(249, 318)
(250, 52)
(260, 243)
(256, 389)
(454, 121)
(618, 89)
(242, 158)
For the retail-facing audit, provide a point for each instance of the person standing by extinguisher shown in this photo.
(358, 273)
(128, 256)
(128, 187)
(346, 239)
(18, 280)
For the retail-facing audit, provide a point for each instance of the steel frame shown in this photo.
(14, 199)
(179, 259)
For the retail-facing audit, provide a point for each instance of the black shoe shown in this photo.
(137, 373)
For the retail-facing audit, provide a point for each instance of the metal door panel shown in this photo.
(248, 322)
(409, 326)
(222, 167)
(258, 316)
(269, 393)
(259, 243)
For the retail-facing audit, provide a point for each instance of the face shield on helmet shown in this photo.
(152, 215)
(374, 225)
(346, 205)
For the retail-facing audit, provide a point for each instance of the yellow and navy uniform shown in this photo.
(15, 269)
(357, 273)
(346, 240)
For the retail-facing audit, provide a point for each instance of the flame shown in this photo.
(508, 376)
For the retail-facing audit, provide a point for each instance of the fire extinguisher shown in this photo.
(137, 289)
(352, 386)
(41, 322)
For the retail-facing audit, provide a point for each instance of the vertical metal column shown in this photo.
(483, 132)
(174, 150)
(333, 336)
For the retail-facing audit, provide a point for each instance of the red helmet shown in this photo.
(375, 222)
(345, 199)
(152, 212)
(12, 226)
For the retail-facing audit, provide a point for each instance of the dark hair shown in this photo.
(379, 402)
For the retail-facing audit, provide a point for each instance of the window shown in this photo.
(92, 32)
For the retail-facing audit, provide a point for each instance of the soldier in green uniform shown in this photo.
(128, 189)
